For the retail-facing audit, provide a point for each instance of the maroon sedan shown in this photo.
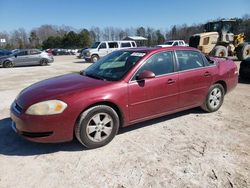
(123, 88)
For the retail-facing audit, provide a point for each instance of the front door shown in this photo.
(157, 95)
(103, 49)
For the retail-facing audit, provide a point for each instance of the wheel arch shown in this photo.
(223, 83)
(107, 103)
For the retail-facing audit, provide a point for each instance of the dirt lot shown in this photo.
(187, 149)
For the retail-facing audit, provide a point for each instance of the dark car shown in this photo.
(123, 88)
(4, 52)
(245, 69)
(26, 57)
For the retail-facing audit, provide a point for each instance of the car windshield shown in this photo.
(114, 66)
(95, 45)
(169, 43)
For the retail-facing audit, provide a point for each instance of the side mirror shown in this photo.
(145, 75)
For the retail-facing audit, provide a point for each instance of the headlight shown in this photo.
(87, 53)
(47, 108)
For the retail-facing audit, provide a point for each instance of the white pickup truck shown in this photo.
(173, 43)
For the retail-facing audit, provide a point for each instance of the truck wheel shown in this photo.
(8, 64)
(94, 58)
(214, 98)
(220, 51)
(243, 51)
(97, 126)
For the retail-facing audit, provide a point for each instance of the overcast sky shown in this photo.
(127, 13)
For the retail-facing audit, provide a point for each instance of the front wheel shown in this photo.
(94, 58)
(97, 126)
(8, 64)
(214, 98)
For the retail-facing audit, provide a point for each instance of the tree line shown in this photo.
(52, 36)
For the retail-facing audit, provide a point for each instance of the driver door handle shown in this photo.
(171, 81)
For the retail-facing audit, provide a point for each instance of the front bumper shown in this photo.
(44, 129)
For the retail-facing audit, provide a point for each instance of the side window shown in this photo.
(22, 53)
(206, 41)
(189, 60)
(133, 44)
(160, 63)
(175, 44)
(103, 46)
(34, 52)
(181, 43)
(125, 44)
(113, 45)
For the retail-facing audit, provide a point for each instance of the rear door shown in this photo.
(112, 46)
(157, 95)
(194, 78)
(34, 56)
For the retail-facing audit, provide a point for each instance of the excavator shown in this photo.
(219, 40)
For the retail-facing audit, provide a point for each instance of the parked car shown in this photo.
(245, 69)
(125, 87)
(100, 49)
(26, 57)
(4, 52)
(173, 43)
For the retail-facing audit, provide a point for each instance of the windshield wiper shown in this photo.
(94, 76)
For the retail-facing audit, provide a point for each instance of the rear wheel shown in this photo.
(214, 98)
(8, 64)
(44, 62)
(243, 51)
(97, 126)
(94, 58)
(220, 51)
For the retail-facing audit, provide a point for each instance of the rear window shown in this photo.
(34, 52)
(125, 44)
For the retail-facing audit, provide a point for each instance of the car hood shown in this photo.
(56, 88)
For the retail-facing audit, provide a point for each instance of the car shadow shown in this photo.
(14, 145)
(80, 62)
(160, 119)
(11, 144)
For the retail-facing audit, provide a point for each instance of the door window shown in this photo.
(160, 63)
(34, 52)
(22, 53)
(189, 60)
(113, 45)
(103, 46)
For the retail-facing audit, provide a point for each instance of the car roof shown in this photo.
(157, 49)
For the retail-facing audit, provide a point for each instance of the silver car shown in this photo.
(26, 57)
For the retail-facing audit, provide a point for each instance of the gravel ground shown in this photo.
(186, 149)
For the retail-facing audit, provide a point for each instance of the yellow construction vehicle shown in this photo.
(219, 40)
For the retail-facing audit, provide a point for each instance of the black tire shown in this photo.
(94, 58)
(220, 51)
(44, 62)
(211, 99)
(243, 51)
(8, 64)
(88, 137)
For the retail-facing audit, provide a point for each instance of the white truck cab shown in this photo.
(100, 49)
(173, 43)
